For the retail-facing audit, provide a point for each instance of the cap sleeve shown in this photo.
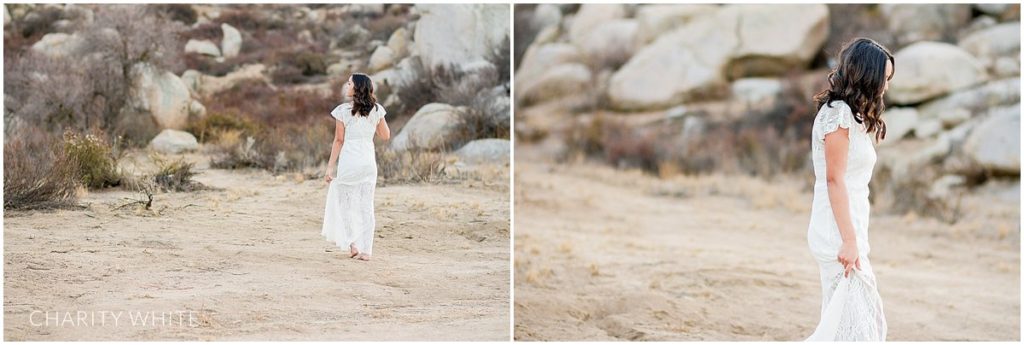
(838, 115)
(342, 112)
(380, 112)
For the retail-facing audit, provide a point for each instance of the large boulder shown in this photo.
(231, 44)
(975, 100)
(995, 142)
(539, 57)
(549, 71)
(432, 127)
(679, 66)
(204, 47)
(757, 93)
(776, 38)
(694, 60)
(898, 123)
(926, 22)
(988, 45)
(545, 15)
(399, 42)
(926, 70)
(556, 82)
(406, 72)
(491, 151)
(57, 45)
(461, 34)
(173, 141)
(654, 20)
(383, 57)
(161, 94)
(590, 16)
(611, 43)
(209, 85)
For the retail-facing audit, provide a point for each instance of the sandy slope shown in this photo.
(249, 262)
(602, 254)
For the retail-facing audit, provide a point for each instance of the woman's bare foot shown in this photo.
(353, 251)
(363, 257)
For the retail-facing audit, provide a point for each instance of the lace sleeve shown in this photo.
(839, 115)
(342, 113)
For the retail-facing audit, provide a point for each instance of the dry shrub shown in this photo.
(233, 151)
(206, 128)
(253, 18)
(92, 89)
(276, 107)
(175, 175)
(298, 66)
(289, 130)
(410, 165)
(96, 159)
(38, 22)
(284, 148)
(179, 12)
(37, 172)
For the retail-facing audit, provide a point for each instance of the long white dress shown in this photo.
(348, 214)
(851, 307)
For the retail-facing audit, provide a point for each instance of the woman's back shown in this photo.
(358, 128)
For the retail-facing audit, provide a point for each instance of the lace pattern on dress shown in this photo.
(862, 318)
(830, 119)
(355, 222)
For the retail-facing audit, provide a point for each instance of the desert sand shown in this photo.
(606, 254)
(249, 263)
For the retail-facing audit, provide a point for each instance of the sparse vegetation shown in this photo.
(410, 166)
(175, 175)
(96, 159)
(37, 172)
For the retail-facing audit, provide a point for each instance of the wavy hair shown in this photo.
(858, 80)
(363, 99)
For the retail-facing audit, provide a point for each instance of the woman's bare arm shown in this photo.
(339, 140)
(383, 131)
(837, 145)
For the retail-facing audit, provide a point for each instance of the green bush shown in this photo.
(96, 163)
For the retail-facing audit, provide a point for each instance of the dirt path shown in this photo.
(248, 261)
(602, 254)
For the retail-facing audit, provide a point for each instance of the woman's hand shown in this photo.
(849, 257)
(328, 176)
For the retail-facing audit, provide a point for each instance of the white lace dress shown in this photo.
(348, 214)
(851, 307)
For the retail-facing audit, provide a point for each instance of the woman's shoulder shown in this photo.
(342, 110)
(835, 106)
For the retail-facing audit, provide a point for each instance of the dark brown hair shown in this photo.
(363, 99)
(858, 80)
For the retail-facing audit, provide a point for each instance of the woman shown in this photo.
(844, 133)
(348, 216)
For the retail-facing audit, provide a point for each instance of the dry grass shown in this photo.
(96, 159)
(175, 175)
(37, 172)
(410, 166)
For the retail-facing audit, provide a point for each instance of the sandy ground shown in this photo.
(248, 262)
(602, 254)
